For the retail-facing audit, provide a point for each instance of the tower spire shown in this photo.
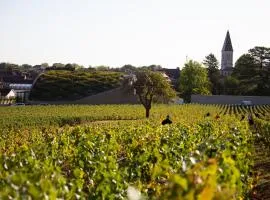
(227, 56)
(227, 46)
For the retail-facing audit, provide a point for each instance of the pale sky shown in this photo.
(137, 32)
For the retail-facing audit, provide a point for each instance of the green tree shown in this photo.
(231, 85)
(193, 80)
(253, 72)
(154, 67)
(70, 67)
(77, 66)
(152, 87)
(26, 67)
(128, 68)
(245, 67)
(58, 65)
(44, 65)
(213, 73)
(9, 67)
(102, 68)
(246, 72)
(261, 56)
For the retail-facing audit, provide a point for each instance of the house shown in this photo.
(7, 93)
(19, 83)
(171, 74)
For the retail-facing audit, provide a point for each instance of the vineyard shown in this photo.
(113, 152)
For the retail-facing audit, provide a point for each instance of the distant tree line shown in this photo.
(11, 67)
(250, 75)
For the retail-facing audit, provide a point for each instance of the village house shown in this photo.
(7, 93)
(18, 83)
(172, 75)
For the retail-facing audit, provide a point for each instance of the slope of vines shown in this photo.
(199, 156)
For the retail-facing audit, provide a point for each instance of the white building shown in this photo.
(7, 93)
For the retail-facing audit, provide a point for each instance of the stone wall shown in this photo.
(229, 99)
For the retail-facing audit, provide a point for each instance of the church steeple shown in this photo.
(227, 56)
(227, 46)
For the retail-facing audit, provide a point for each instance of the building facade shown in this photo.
(18, 84)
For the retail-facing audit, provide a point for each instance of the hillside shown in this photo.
(71, 85)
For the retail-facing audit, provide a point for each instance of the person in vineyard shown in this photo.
(250, 119)
(166, 121)
(207, 115)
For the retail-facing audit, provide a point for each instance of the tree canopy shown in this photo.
(193, 80)
(213, 73)
(231, 85)
(253, 72)
(211, 62)
(152, 87)
(261, 56)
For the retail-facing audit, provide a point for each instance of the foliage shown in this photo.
(128, 68)
(8, 67)
(261, 56)
(247, 74)
(213, 73)
(193, 80)
(102, 68)
(151, 67)
(245, 67)
(61, 115)
(231, 85)
(253, 72)
(44, 65)
(64, 85)
(194, 158)
(58, 65)
(152, 87)
(211, 62)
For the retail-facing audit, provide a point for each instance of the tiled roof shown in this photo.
(172, 73)
(227, 46)
(15, 79)
(4, 92)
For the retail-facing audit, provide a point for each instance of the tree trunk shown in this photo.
(147, 112)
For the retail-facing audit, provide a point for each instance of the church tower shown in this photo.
(227, 56)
